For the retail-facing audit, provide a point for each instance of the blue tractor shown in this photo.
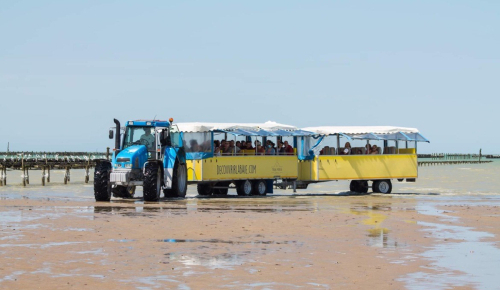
(151, 155)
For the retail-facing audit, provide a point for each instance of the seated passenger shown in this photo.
(347, 149)
(238, 144)
(374, 150)
(260, 150)
(288, 149)
(233, 147)
(270, 148)
(205, 146)
(359, 152)
(368, 149)
(249, 145)
(225, 150)
(194, 146)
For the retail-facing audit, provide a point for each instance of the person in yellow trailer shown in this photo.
(225, 149)
(288, 149)
(147, 138)
(374, 150)
(260, 149)
(233, 148)
(270, 148)
(347, 149)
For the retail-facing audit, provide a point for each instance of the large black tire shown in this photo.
(221, 191)
(359, 186)
(102, 186)
(244, 188)
(179, 182)
(205, 189)
(124, 191)
(382, 186)
(259, 187)
(152, 182)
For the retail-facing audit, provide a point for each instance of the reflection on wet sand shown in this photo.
(378, 235)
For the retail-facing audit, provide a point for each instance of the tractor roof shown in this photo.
(152, 123)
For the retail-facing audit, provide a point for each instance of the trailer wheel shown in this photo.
(374, 186)
(152, 182)
(102, 186)
(204, 189)
(221, 191)
(359, 186)
(244, 188)
(259, 187)
(382, 186)
(124, 191)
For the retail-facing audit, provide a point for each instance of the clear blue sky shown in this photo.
(67, 68)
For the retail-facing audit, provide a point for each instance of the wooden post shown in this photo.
(43, 175)
(87, 174)
(22, 168)
(480, 155)
(107, 153)
(48, 173)
(66, 175)
(87, 168)
(1, 176)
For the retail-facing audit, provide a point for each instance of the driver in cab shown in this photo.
(147, 139)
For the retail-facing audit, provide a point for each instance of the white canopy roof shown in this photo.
(207, 127)
(358, 130)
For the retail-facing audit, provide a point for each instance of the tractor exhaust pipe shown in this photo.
(117, 137)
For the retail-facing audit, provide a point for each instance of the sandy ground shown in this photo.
(278, 242)
(439, 233)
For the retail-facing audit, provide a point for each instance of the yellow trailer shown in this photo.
(314, 157)
(361, 165)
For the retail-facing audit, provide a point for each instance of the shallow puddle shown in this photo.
(464, 259)
(216, 241)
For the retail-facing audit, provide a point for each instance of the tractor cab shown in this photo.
(151, 134)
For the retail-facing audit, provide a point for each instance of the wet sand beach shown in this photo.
(431, 234)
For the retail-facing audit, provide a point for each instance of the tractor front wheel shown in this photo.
(152, 182)
(102, 186)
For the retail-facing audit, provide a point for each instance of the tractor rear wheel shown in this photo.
(179, 183)
(102, 186)
(152, 182)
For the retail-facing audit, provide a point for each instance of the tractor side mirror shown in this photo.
(111, 134)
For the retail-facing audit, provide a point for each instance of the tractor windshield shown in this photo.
(139, 136)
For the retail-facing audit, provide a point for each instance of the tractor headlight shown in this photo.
(128, 165)
(115, 166)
